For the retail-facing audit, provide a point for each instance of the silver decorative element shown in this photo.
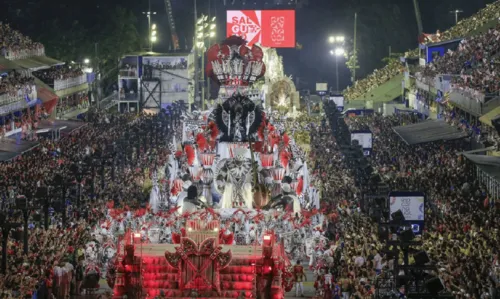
(256, 70)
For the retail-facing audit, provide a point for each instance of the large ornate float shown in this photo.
(236, 186)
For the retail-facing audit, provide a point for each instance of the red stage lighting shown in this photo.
(137, 235)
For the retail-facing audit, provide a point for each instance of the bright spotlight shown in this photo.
(153, 27)
(212, 34)
(339, 52)
(339, 39)
(154, 38)
(331, 39)
(86, 61)
(212, 26)
(331, 52)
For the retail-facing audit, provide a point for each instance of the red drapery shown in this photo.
(48, 98)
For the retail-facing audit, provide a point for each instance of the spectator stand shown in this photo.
(23, 51)
(383, 82)
(70, 84)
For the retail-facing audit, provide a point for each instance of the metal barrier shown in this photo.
(68, 83)
(23, 54)
(108, 102)
(20, 95)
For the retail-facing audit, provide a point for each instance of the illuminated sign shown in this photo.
(270, 28)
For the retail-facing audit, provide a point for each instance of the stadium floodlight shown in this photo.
(153, 27)
(212, 26)
(213, 19)
(86, 61)
(154, 38)
(331, 39)
(339, 51)
(212, 34)
(339, 39)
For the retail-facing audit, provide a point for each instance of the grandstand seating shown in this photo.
(477, 23)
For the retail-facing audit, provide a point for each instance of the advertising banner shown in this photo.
(270, 28)
(412, 205)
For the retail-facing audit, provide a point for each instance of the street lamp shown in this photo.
(456, 12)
(153, 36)
(336, 39)
(338, 52)
(148, 15)
(205, 29)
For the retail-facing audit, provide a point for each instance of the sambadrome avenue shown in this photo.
(263, 149)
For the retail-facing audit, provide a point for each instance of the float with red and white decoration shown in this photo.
(239, 200)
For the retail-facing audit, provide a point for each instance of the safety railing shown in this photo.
(71, 82)
(12, 54)
(20, 94)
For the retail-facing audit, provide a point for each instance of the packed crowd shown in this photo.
(58, 73)
(355, 252)
(16, 84)
(372, 81)
(13, 42)
(72, 103)
(52, 250)
(474, 63)
(486, 16)
(462, 220)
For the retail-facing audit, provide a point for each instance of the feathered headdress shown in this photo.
(201, 142)
(284, 158)
(286, 139)
(190, 154)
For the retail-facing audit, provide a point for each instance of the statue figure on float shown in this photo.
(236, 174)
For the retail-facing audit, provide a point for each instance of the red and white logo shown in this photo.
(270, 28)
(245, 23)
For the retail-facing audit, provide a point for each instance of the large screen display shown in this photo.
(412, 205)
(270, 28)
(364, 139)
(339, 102)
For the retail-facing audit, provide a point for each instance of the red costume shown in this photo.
(298, 273)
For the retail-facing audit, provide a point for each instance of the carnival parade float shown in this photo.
(230, 211)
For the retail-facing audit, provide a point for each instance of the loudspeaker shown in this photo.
(421, 258)
(398, 216)
(434, 285)
(406, 235)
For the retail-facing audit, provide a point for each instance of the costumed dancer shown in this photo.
(300, 277)
(192, 203)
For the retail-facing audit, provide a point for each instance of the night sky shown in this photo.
(381, 23)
